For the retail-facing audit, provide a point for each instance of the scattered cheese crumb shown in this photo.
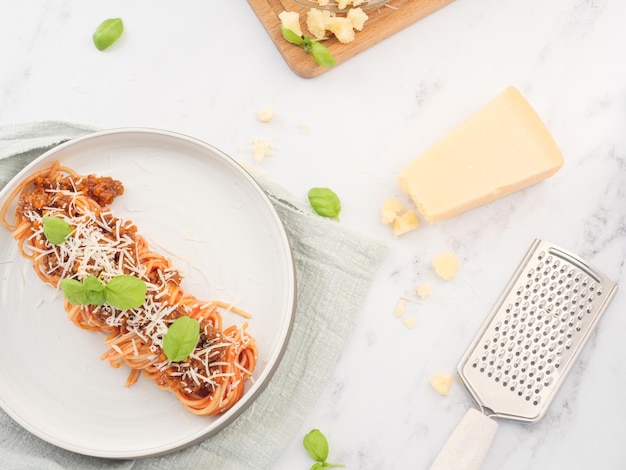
(291, 20)
(265, 115)
(304, 128)
(446, 265)
(409, 322)
(390, 210)
(261, 149)
(442, 382)
(405, 223)
(400, 306)
(400, 223)
(423, 291)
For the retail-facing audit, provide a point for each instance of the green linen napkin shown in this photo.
(334, 267)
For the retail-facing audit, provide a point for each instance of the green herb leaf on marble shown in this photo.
(107, 33)
(316, 445)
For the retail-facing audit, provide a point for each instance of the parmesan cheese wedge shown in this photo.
(501, 149)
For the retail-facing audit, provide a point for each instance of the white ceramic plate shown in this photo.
(197, 206)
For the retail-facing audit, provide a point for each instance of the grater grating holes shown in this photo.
(545, 312)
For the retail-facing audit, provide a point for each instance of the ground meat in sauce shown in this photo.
(208, 336)
(103, 190)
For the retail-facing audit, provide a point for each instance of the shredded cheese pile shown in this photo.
(102, 245)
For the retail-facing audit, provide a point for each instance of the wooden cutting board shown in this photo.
(383, 22)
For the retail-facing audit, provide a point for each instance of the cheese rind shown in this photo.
(503, 148)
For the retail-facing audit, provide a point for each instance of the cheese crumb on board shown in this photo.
(342, 28)
(318, 22)
(424, 290)
(343, 4)
(405, 223)
(501, 149)
(442, 383)
(291, 20)
(446, 265)
(265, 115)
(358, 18)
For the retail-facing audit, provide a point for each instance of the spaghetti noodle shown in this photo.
(211, 379)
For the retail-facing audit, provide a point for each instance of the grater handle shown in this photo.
(469, 444)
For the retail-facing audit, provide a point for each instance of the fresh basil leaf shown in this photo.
(322, 55)
(291, 37)
(181, 339)
(94, 290)
(316, 445)
(56, 230)
(125, 291)
(107, 33)
(325, 202)
(307, 44)
(74, 291)
(90, 292)
(317, 466)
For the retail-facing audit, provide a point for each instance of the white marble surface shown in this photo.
(205, 68)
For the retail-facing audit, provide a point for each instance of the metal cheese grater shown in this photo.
(528, 344)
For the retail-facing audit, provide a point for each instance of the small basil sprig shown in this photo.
(56, 230)
(107, 33)
(181, 339)
(316, 445)
(320, 53)
(123, 291)
(325, 202)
